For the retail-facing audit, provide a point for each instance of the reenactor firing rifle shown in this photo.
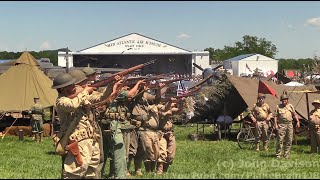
(112, 77)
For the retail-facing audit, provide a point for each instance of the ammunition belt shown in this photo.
(285, 121)
(80, 135)
(118, 115)
(167, 130)
(261, 119)
(140, 117)
(127, 127)
(149, 129)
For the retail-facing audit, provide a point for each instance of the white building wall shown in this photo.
(62, 59)
(262, 62)
(263, 65)
(235, 67)
(257, 61)
(202, 59)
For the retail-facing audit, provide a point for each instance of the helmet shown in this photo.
(63, 80)
(88, 71)
(79, 75)
(261, 95)
(316, 102)
(283, 96)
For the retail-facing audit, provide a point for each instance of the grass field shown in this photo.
(194, 159)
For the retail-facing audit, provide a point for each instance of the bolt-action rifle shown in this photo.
(112, 77)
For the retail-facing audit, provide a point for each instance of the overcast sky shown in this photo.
(294, 27)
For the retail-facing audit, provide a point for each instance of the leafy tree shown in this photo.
(249, 45)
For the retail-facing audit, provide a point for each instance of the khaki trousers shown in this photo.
(261, 132)
(315, 140)
(284, 136)
(167, 147)
(150, 140)
(90, 153)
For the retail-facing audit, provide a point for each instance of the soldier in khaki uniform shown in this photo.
(314, 127)
(283, 120)
(90, 73)
(148, 113)
(36, 121)
(261, 115)
(167, 140)
(81, 156)
(82, 80)
(118, 119)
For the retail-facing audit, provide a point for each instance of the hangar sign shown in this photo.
(132, 44)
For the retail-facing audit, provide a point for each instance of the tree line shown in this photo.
(51, 54)
(248, 45)
(253, 44)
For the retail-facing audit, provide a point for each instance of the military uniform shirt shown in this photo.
(285, 113)
(261, 113)
(37, 112)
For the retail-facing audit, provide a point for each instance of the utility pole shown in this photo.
(67, 61)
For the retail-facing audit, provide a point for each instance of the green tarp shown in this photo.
(22, 82)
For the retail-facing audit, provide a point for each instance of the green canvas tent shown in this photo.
(22, 82)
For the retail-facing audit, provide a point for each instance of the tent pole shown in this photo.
(52, 120)
(224, 118)
(307, 99)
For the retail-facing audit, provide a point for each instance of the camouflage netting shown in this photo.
(218, 94)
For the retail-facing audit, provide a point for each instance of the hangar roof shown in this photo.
(133, 43)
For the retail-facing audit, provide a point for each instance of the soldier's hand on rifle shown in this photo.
(118, 77)
(119, 83)
(161, 85)
(142, 81)
(254, 120)
(89, 89)
(173, 99)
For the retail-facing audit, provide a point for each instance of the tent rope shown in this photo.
(1, 116)
(9, 128)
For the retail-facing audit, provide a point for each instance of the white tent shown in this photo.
(294, 83)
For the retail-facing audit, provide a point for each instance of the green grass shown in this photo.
(194, 159)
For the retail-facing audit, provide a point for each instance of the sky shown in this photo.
(292, 26)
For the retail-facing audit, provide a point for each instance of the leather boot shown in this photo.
(137, 167)
(147, 165)
(153, 166)
(257, 147)
(128, 165)
(160, 168)
(40, 136)
(36, 137)
(166, 167)
(265, 146)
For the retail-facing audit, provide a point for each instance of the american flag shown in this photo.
(248, 67)
(181, 89)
